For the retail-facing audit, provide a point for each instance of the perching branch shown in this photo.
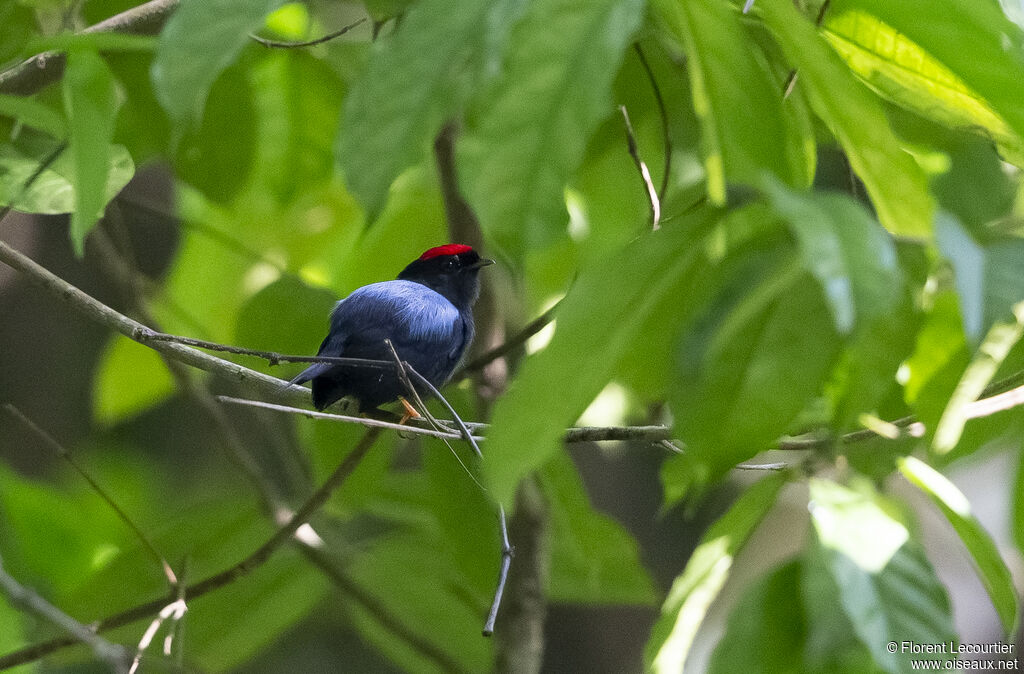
(275, 44)
(33, 74)
(225, 577)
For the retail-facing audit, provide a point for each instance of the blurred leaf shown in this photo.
(17, 24)
(852, 257)
(11, 633)
(594, 560)
(527, 132)
(54, 190)
(298, 102)
(91, 103)
(886, 585)
(991, 353)
(896, 184)
(766, 629)
(415, 80)
(747, 131)
(200, 40)
(974, 40)
(33, 113)
(286, 316)
(216, 156)
(94, 42)
(940, 356)
(988, 278)
(596, 324)
(995, 575)
(743, 384)
(902, 71)
(705, 574)
(130, 378)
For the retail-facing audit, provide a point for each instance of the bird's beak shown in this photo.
(482, 262)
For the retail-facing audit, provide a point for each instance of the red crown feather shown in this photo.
(447, 249)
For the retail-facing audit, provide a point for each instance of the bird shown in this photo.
(426, 313)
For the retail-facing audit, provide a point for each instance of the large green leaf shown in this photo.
(527, 133)
(747, 129)
(54, 190)
(896, 184)
(744, 380)
(766, 629)
(974, 40)
(852, 257)
(201, 39)
(416, 78)
(886, 586)
(995, 575)
(593, 559)
(596, 325)
(902, 71)
(131, 378)
(91, 103)
(705, 574)
(33, 113)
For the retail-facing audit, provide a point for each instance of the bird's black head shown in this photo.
(451, 270)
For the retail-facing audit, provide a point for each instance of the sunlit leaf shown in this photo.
(131, 378)
(705, 574)
(527, 132)
(995, 575)
(91, 103)
(896, 184)
(746, 127)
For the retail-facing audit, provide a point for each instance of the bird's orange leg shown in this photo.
(410, 411)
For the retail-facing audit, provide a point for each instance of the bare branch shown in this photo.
(663, 113)
(112, 654)
(63, 453)
(514, 342)
(31, 75)
(274, 44)
(645, 174)
(244, 567)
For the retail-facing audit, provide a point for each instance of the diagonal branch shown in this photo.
(33, 74)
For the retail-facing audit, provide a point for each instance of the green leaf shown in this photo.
(91, 103)
(988, 278)
(527, 133)
(131, 379)
(33, 113)
(766, 629)
(17, 24)
(886, 585)
(897, 185)
(995, 575)
(283, 316)
(974, 40)
(95, 42)
(415, 80)
(594, 560)
(747, 130)
(201, 39)
(705, 574)
(596, 325)
(741, 386)
(54, 190)
(906, 74)
(852, 257)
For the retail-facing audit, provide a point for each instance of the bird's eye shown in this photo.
(451, 264)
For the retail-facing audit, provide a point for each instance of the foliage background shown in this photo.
(829, 259)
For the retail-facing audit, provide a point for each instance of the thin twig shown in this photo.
(514, 342)
(310, 43)
(663, 113)
(116, 656)
(506, 562)
(63, 453)
(790, 83)
(645, 174)
(223, 578)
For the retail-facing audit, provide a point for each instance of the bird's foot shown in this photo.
(410, 411)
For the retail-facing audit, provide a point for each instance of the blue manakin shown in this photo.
(427, 314)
